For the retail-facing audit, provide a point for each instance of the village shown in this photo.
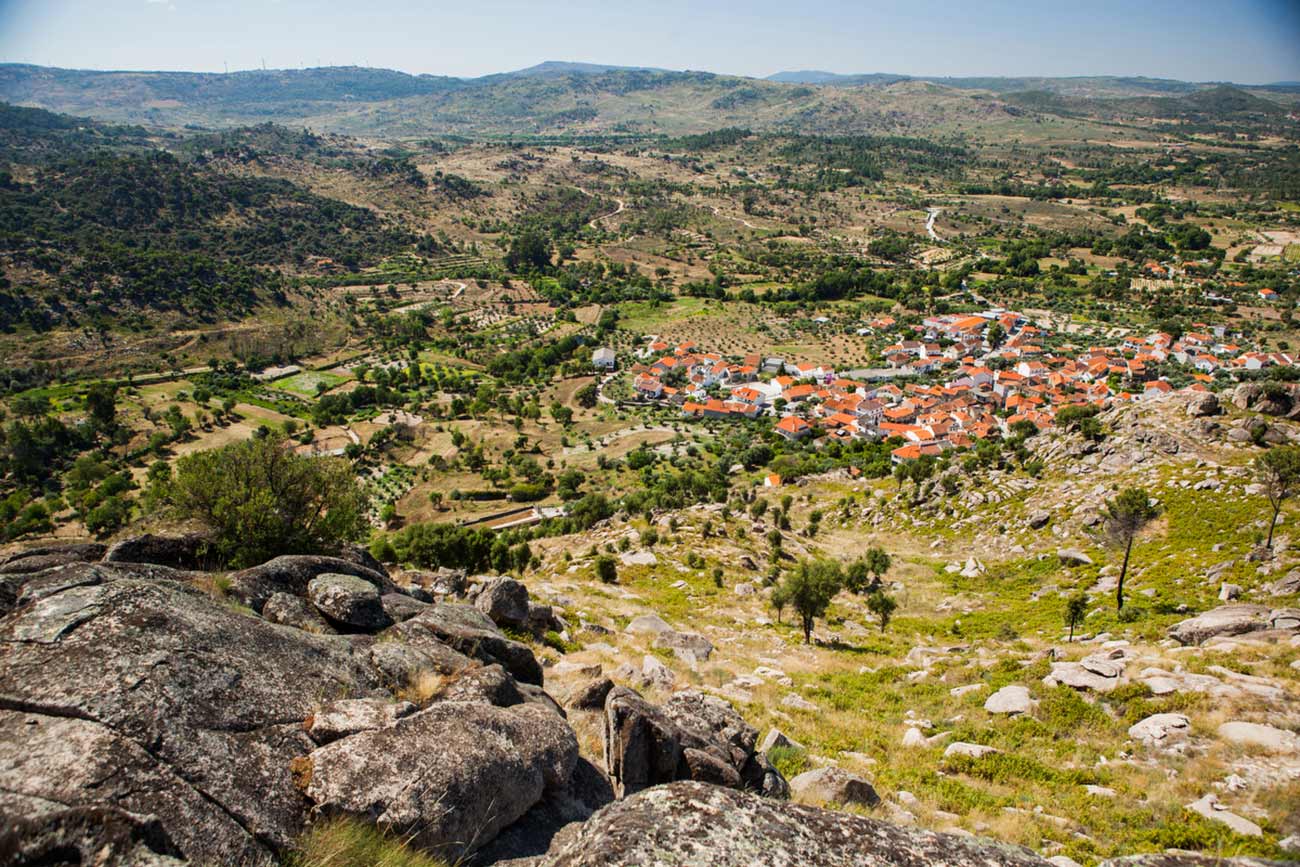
(988, 372)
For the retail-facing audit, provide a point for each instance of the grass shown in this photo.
(349, 843)
(305, 383)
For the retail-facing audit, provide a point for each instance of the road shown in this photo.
(614, 213)
(929, 224)
(717, 212)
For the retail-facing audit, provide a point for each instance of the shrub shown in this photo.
(607, 569)
(259, 501)
(791, 761)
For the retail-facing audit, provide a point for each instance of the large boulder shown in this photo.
(288, 610)
(691, 737)
(1224, 620)
(103, 836)
(470, 632)
(48, 556)
(504, 601)
(1202, 404)
(292, 573)
(690, 824)
(348, 602)
(151, 696)
(189, 551)
(343, 717)
(447, 778)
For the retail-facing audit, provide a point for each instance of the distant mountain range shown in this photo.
(563, 98)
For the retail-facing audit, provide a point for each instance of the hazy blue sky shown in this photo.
(1249, 41)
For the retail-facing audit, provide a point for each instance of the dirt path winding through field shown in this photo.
(932, 215)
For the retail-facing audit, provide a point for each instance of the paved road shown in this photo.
(929, 224)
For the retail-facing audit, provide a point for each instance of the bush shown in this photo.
(259, 501)
(607, 569)
(790, 761)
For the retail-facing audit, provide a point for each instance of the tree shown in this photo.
(530, 251)
(259, 501)
(1075, 610)
(586, 396)
(863, 574)
(810, 588)
(1278, 471)
(1126, 516)
(882, 605)
(101, 403)
(607, 569)
(995, 335)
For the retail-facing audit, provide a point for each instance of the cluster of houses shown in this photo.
(995, 368)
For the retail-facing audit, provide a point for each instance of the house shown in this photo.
(604, 358)
(793, 428)
(772, 480)
(648, 386)
(1267, 295)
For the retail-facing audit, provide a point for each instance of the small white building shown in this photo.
(604, 358)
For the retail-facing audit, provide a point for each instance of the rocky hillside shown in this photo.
(154, 713)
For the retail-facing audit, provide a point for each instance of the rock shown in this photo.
(1010, 700)
(1265, 737)
(399, 606)
(1202, 404)
(590, 695)
(695, 825)
(189, 551)
(348, 601)
(975, 751)
(1210, 808)
(1286, 586)
(447, 778)
(1224, 620)
(150, 696)
(44, 557)
(648, 624)
(1246, 394)
(401, 665)
(439, 582)
(689, 647)
(1098, 675)
(744, 588)
(337, 719)
(797, 702)
(1228, 592)
(654, 673)
(777, 738)
(1039, 518)
(102, 836)
(504, 601)
(485, 684)
(833, 786)
(638, 558)
(914, 738)
(292, 573)
(693, 736)
(583, 669)
(1160, 729)
(297, 612)
(1073, 557)
(467, 630)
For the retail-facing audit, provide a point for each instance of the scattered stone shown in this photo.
(795, 701)
(776, 738)
(1010, 699)
(690, 647)
(648, 624)
(590, 695)
(654, 673)
(1073, 557)
(1224, 620)
(975, 751)
(1265, 737)
(1160, 729)
(297, 612)
(1210, 808)
(832, 785)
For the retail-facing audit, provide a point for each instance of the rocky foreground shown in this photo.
(154, 713)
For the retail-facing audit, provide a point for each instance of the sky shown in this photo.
(1248, 41)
